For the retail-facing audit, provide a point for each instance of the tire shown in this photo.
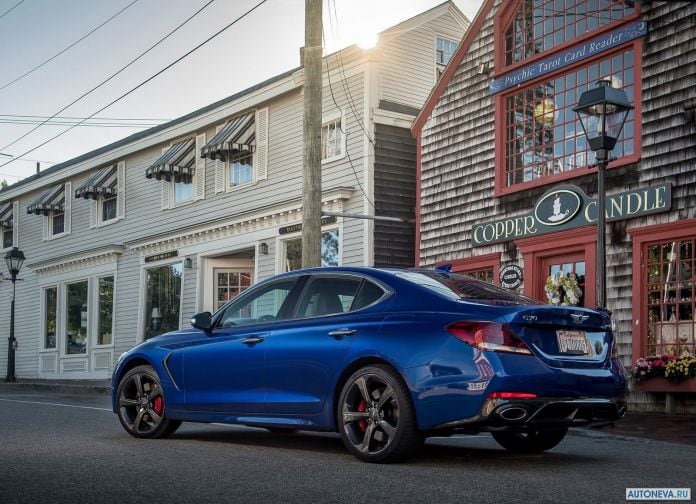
(141, 405)
(535, 441)
(376, 418)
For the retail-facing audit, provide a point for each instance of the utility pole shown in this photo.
(311, 196)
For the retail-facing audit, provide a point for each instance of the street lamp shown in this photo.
(14, 259)
(602, 112)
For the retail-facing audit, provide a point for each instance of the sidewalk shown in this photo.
(679, 429)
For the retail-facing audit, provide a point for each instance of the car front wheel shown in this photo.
(376, 418)
(534, 441)
(141, 406)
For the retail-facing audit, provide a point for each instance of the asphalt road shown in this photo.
(71, 449)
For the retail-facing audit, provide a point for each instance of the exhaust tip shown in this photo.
(513, 414)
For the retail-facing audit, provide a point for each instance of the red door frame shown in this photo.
(535, 249)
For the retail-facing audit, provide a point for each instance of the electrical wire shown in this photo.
(108, 78)
(67, 48)
(150, 119)
(148, 79)
(10, 9)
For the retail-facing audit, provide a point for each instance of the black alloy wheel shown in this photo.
(534, 441)
(376, 418)
(141, 406)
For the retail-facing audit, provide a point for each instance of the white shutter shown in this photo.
(165, 189)
(261, 153)
(68, 206)
(15, 224)
(199, 177)
(121, 190)
(93, 204)
(219, 169)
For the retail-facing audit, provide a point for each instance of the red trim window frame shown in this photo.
(475, 265)
(537, 248)
(643, 238)
(502, 19)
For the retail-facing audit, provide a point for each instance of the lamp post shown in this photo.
(602, 112)
(14, 259)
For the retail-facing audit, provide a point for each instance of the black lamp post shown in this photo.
(602, 112)
(14, 259)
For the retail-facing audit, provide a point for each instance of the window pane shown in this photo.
(327, 296)
(106, 308)
(76, 318)
(369, 293)
(57, 223)
(182, 192)
(7, 238)
(241, 170)
(51, 311)
(331, 139)
(108, 209)
(263, 306)
(329, 251)
(163, 294)
(293, 254)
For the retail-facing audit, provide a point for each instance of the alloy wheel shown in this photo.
(141, 403)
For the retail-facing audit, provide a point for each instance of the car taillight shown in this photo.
(488, 336)
(512, 395)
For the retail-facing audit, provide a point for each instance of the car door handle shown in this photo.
(253, 340)
(339, 333)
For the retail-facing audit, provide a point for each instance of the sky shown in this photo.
(261, 45)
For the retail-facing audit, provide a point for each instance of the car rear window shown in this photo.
(464, 287)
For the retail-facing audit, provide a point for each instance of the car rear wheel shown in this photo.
(141, 406)
(377, 421)
(534, 441)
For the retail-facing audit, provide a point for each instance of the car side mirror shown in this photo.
(202, 321)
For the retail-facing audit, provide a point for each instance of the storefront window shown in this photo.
(76, 317)
(51, 300)
(106, 308)
(485, 274)
(329, 251)
(671, 297)
(163, 299)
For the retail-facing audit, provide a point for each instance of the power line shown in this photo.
(87, 125)
(150, 119)
(109, 78)
(10, 9)
(70, 46)
(148, 79)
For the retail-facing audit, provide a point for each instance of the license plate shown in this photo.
(573, 343)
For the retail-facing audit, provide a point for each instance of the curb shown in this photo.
(62, 388)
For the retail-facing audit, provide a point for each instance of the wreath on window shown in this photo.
(563, 289)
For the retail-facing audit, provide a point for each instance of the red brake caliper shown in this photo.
(158, 405)
(362, 424)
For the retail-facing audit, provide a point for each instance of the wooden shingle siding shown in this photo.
(395, 195)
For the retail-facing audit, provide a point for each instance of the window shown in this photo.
(332, 139)
(229, 284)
(264, 305)
(7, 237)
(106, 308)
(670, 297)
(485, 274)
(329, 251)
(163, 299)
(8, 222)
(76, 318)
(183, 191)
(241, 169)
(108, 208)
(542, 140)
(484, 267)
(444, 50)
(328, 296)
(56, 223)
(50, 313)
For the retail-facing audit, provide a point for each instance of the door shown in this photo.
(224, 372)
(568, 263)
(229, 283)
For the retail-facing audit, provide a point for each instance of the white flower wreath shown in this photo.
(563, 289)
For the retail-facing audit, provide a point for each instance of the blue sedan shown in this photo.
(385, 357)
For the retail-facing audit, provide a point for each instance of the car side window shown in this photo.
(368, 294)
(327, 296)
(259, 307)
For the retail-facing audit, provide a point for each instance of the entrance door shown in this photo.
(229, 282)
(569, 263)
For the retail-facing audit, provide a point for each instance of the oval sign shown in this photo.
(511, 276)
(557, 207)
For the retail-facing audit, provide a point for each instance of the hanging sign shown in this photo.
(573, 55)
(329, 219)
(567, 207)
(511, 276)
(162, 256)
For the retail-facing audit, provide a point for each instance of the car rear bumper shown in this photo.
(525, 414)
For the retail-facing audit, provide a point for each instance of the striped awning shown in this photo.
(177, 164)
(52, 200)
(238, 135)
(101, 182)
(6, 215)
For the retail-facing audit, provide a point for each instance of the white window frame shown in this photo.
(67, 215)
(337, 117)
(50, 217)
(172, 193)
(44, 313)
(440, 67)
(142, 315)
(281, 246)
(197, 179)
(2, 239)
(95, 303)
(120, 197)
(229, 186)
(15, 225)
(100, 210)
(62, 341)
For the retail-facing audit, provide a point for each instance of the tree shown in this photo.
(3, 184)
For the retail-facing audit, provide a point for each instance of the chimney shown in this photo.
(38, 167)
